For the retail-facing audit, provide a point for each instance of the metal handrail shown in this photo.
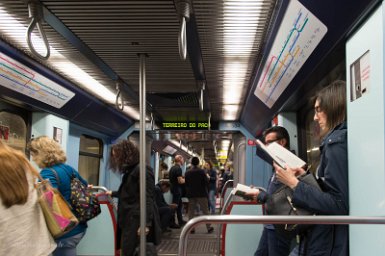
(246, 219)
(224, 187)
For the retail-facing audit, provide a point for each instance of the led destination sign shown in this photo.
(185, 125)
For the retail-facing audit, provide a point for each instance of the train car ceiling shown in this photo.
(227, 44)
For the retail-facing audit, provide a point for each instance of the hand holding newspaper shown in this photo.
(241, 190)
(282, 156)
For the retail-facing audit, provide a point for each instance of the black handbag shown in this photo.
(280, 203)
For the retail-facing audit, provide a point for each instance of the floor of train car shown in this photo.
(199, 244)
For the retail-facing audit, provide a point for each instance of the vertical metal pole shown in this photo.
(142, 143)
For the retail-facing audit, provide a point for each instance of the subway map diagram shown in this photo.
(22, 79)
(298, 36)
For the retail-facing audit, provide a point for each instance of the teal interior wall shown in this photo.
(366, 136)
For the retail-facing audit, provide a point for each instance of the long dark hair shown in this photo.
(332, 101)
(124, 155)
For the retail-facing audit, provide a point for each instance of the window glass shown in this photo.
(313, 140)
(90, 154)
(90, 145)
(13, 130)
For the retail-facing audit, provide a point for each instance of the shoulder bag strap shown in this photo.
(57, 176)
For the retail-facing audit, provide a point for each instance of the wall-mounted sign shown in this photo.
(22, 79)
(360, 76)
(299, 34)
(185, 126)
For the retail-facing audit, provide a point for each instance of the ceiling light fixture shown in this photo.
(241, 19)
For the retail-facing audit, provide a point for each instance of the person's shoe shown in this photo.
(182, 223)
(174, 225)
(192, 231)
(210, 230)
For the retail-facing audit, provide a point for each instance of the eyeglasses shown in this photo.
(317, 110)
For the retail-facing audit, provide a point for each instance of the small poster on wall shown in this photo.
(360, 76)
(57, 135)
(4, 132)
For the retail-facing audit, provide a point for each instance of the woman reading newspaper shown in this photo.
(332, 172)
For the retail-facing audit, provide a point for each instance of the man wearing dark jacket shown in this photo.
(177, 181)
(196, 190)
(166, 211)
(271, 242)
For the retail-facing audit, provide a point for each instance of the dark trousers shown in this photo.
(177, 199)
(166, 214)
(273, 244)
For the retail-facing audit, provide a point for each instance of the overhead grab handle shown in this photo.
(201, 105)
(182, 39)
(119, 103)
(183, 9)
(35, 11)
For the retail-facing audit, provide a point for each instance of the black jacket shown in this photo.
(196, 183)
(332, 200)
(129, 206)
(159, 198)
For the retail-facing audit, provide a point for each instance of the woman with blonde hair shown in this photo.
(23, 230)
(49, 156)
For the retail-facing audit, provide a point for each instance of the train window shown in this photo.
(90, 153)
(13, 130)
(313, 140)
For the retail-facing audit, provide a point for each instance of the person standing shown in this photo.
(124, 158)
(48, 155)
(23, 230)
(332, 172)
(271, 242)
(177, 181)
(212, 176)
(196, 190)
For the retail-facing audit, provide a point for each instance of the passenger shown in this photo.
(228, 174)
(124, 158)
(272, 242)
(212, 176)
(196, 190)
(166, 211)
(332, 172)
(220, 182)
(23, 230)
(164, 170)
(177, 181)
(48, 155)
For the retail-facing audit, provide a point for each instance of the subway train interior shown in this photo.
(199, 78)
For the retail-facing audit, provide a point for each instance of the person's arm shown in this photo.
(288, 176)
(79, 176)
(113, 193)
(333, 200)
(181, 180)
(180, 177)
(49, 174)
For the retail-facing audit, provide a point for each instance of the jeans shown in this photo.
(212, 201)
(67, 246)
